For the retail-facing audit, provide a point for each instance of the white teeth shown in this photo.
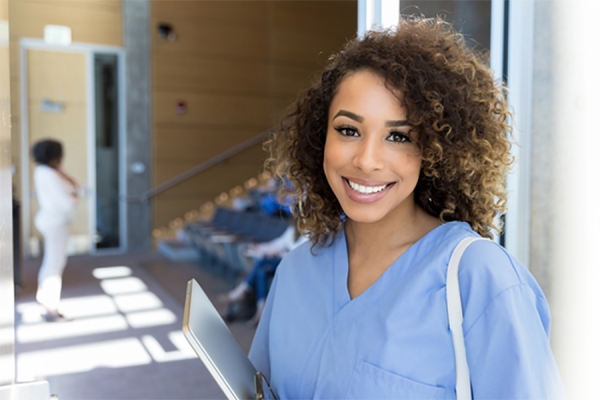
(365, 189)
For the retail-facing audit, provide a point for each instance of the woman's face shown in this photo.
(371, 162)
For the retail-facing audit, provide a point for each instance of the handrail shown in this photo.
(203, 166)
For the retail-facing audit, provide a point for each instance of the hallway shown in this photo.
(124, 340)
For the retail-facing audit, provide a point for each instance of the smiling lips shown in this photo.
(365, 193)
(365, 189)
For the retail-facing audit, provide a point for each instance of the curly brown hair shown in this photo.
(458, 113)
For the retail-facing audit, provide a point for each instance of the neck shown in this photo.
(400, 229)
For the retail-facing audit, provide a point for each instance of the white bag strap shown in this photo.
(455, 316)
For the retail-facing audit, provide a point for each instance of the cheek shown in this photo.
(417, 163)
(330, 155)
(332, 162)
(409, 166)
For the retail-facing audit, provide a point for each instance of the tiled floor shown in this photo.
(124, 340)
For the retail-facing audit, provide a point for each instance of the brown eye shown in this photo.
(347, 131)
(399, 137)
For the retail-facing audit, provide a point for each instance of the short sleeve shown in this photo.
(508, 350)
(506, 326)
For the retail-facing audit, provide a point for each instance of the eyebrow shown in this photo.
(401, 122)
(358, 118)
(351, 115)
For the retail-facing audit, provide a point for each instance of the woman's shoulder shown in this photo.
(43, 173)
(483, 260)
(489, 273)
(43, 169)
(488, 263)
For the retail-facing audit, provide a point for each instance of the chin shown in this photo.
(365, 216)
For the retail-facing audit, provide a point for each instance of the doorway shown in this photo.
(106, 83)
(74, 94)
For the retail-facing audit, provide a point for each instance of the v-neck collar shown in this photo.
(344, 306)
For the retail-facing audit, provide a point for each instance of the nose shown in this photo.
(369, 155)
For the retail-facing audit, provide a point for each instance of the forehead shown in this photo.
(366, 92)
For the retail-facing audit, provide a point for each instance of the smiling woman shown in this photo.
(454, 111)
(396, 155)
(369, 159)
(372, 166)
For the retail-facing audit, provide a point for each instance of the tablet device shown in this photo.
(215, 345)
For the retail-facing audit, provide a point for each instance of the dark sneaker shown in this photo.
(54, 316)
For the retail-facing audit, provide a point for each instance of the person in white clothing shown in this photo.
(57, 198)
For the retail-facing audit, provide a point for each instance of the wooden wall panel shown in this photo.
(61, 77)
(169, 143)
(91, 21)
(212, 75)
(238, 65)
(15, 111)
(194, 192)
(15, 64)
(252, 14)
(328, 17)
(48, 65)
(14, 61)
(201, 37)
(58, 125)
(291, 46)
(222, 109)
(289, 79)
(216, 180)
(311, 30)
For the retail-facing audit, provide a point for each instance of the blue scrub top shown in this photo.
(393, 341)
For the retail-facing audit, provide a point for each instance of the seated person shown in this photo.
(267, 256)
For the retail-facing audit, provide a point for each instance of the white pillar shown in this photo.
(497, 38)
(7, 323)
(377, 14)
(519, 82)
(575, 197)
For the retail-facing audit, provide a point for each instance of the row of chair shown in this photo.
(222, 241)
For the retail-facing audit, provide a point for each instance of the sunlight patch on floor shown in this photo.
(66, 360)
(80, 327)
(111, 272)
(74, 307)
(145, 319)
(123, 285)
(184, 350)
(127, 305)
(137, 302)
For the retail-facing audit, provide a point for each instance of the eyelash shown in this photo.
(343, 130)
(349, 131)
(404, 138)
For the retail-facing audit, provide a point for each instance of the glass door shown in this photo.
(107, 151)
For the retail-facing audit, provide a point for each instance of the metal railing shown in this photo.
(203, 166)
